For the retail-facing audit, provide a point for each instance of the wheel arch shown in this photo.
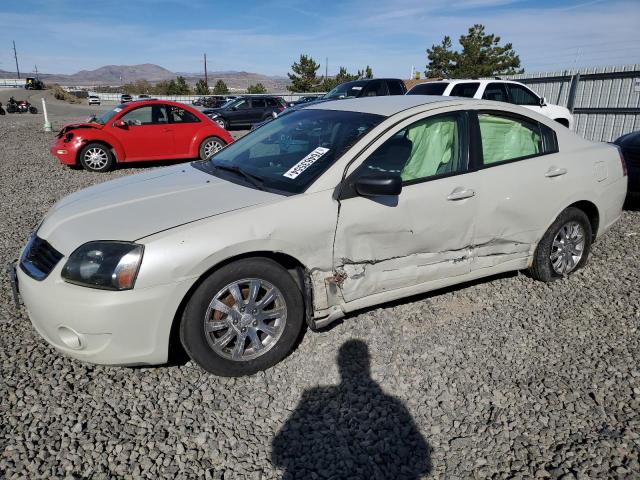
(591, 210)
(294, 266)
(118, 153)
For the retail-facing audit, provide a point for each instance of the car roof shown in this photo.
(467, 80)
(386, 105)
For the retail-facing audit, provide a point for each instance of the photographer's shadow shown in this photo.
(352, 430)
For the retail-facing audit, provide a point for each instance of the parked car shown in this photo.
(143, 96)
(497, 90)
(126, 98)
(245, 111)
(305, 99)
(33, 83)
(140, 130)
(630, 148)
(316, 214)
(93, 100)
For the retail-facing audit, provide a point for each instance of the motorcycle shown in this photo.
(20, 106)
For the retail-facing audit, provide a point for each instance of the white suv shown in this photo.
(497, 90)
(93, 100)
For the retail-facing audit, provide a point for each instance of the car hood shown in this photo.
(75, 126)
(139, 205)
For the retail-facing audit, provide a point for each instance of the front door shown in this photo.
(146, 134)
(183, 125)
(423, 234)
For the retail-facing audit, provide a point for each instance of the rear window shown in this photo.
(395, 88)
(429, 88)
(465, 89)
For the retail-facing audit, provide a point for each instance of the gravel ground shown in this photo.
(504, 378)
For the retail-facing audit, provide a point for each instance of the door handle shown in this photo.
(555, 172)
(461, 193)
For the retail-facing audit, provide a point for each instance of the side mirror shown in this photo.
(543, 101)
(120, 124)
(378, 185)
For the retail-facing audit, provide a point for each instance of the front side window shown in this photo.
(376, 88)
(180, 115)
(496, 92)
(429, 148)
(346, 90)
(238, 104)
(290, 152)
(147, 115)
(395, 87)
(467, 90)
(522, 96)
(508, 138)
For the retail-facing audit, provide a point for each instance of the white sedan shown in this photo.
(326, 210)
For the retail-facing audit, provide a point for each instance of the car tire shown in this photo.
(33, 110)
(239, 328)
(96, 157)
(210, 146)
(564, 248)
(221, 122)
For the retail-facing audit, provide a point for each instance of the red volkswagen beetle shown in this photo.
(139, 130)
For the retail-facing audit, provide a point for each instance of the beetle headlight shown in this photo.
(108, 265)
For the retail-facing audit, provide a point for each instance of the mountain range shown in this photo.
(119, 74)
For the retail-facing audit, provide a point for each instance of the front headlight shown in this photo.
(109, 265)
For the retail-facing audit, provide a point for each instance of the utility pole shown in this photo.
(35, 67)
(15, 54)
(326, 67)
(206, 78)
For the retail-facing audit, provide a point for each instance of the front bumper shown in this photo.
(65, 152)
(130, 327)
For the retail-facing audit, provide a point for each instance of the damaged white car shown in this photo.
(326, 210)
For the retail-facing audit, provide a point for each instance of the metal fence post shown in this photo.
(572, 91)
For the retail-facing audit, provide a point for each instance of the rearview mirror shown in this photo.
(377, 185)
(120, 124)
(543, 101)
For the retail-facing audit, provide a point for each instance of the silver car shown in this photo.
(319, 213)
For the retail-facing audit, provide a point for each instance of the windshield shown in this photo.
(106, 116)
(290, 152)
(346, 90)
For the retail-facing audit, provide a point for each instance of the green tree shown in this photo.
(303, 78)
(201, 87)
(257, 88)
(342, 77)
(366, 73)
(220, 88)
(481, 56)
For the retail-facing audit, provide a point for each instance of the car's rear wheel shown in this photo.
(565, 246)
(96, 157)
(210, 146)
(245, 317)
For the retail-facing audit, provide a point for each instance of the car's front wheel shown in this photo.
(221, 123)
(565, 246)
(210, 146)
(96, 157)
(243, 318)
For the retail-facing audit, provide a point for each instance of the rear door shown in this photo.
(184, 126)
(147, 134)
(258, 109)
(522, 185)
(425, 233)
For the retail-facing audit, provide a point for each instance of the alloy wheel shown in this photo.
(211, 148)
(245, 319)
(96, 158)
(567, 248)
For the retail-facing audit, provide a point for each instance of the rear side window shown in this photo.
(375, 88)
(496, 92)
(522, 96)
(395, 88)
(465, 89)
(507, 138)
(258, 103)
(180, 115)
(429, 88)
